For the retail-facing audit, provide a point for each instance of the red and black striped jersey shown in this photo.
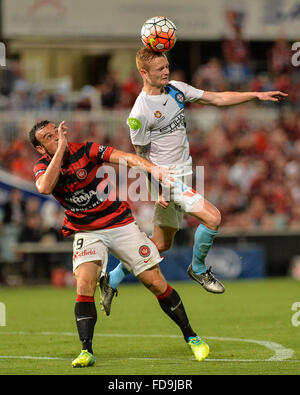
(85, 191)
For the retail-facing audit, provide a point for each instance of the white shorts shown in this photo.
(127, 243)
(182, 199)
(171, 216)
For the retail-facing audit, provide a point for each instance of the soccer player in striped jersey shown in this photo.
(101, 223)
(158, 132)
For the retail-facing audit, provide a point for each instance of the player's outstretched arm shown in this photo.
(220, 99)
(142, 150)
(47, 181)
(131, 160)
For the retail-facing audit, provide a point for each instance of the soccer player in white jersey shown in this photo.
(158, 132)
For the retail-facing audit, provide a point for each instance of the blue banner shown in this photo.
(9, 181)
(228, 263)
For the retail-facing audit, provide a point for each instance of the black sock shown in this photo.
(172, 305)
(86, 317)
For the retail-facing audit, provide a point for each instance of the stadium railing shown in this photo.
(277, 260)
(112, 122)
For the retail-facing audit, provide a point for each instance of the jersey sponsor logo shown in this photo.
(81, 174)
(80, 254)
(144, 251)
(134, 123)
(157, 114)
(81, 198)
(179, 120)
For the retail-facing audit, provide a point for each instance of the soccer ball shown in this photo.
(159, 34)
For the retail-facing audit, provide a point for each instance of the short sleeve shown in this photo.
(98, 153)
(139, 133)
(191, 94)
(40, 168)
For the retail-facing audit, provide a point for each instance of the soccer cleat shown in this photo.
(107, 293)
(207, 280)
(84, 360)
(199, 348)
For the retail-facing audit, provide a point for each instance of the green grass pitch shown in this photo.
(249, 330)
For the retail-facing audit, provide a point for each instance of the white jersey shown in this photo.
(159, 120)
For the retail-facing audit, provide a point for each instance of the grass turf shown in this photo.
(139, 339)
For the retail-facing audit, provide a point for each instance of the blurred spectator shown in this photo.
(32, 206)
(109, 90)
(242, 174)
(51, 218)
(178, 75)
(21, 165)
(59, 101)
(31, 233)
(13, 217)
(89, 99)
(14, 208)
(250, 166)
(8, 76)
(131, 88)
(210, 76)
(40, 99)
(38, 265)
(279, 57)
(19, 98)
(236, 52)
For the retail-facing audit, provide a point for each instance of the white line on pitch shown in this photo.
(280, 352)
(32, 357)
(142, 359)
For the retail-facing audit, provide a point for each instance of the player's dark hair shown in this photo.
(32, 134)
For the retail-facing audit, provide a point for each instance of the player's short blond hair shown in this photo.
(144, 57)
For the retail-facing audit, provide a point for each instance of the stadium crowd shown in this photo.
(252, 171)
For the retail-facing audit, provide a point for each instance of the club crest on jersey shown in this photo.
(157, 114)
(144, 251)
(81, 174)
(179, 97)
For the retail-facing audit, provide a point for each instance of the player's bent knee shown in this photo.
(153, 280)
(86, 286)
(157, 287)
(217, 218)
(212, 219)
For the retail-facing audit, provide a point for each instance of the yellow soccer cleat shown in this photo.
(199, 348)
(84, 360)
